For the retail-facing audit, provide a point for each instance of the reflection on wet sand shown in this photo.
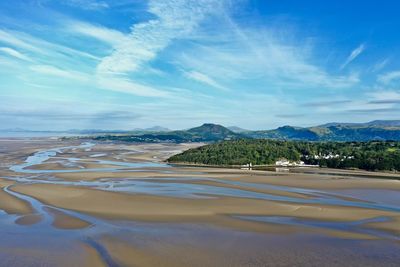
(119, 204)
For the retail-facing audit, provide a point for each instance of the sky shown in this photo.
(257, 64)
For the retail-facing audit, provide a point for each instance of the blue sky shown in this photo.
(178, 63)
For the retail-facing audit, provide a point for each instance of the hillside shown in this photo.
(237, 129)
(207, 132)
(375, 130)
(375, 123)
(375, 155)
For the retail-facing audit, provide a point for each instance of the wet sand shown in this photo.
(124, 206)
(64, 221)
(218, 211)
(11, 204)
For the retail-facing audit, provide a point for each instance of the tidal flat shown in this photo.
(78, 203)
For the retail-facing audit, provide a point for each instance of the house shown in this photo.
(282, 162)
(247, 166)
(285, 163)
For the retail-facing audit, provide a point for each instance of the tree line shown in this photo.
(372, 155)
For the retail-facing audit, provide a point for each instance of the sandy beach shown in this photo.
(89, 189)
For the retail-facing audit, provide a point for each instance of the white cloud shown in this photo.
(380, 65)
(54, 71)
(125, 85)
(88, 4)
(109, 36)
(174, 19)
(384, 96)
(260, 56)
(389, 77)
(14, 53)
(200, 77)
(12, 39)
(353, 55)
(27, 42)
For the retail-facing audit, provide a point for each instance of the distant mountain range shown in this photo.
(236, 129)
(376, 123)
(374, 130)
(90, 131)
(208, 132)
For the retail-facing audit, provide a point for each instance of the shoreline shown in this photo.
(291, 169)
(175, 203)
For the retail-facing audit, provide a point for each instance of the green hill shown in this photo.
(375, 130)
(373, 155)
(207, 132)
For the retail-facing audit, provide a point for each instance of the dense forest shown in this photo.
(372, 155)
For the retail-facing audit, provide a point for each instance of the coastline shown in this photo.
(297, 169)
(95, 190)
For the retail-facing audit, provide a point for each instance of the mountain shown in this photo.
(212, 132)
(237, 129)
(150, 129)
(10, 130)
(285, 132)
(157, 129)
(207, 132)
(374, 130)
(376, 123)
(384, 123)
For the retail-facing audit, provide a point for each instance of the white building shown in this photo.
(285, 163)
(282, 162)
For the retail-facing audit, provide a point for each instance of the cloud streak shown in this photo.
(389, 77)
(109, 36)
(326, 103)
(14, 53)
(41, 47)
(93, 5)
(353, 55)
(174, 19)
(124, 85)
(57, 72)
(202, 78)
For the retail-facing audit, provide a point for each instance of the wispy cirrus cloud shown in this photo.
(380, 65)
(62, 119)
(39, 46)
(93, 5)
(11, 38)
(167, 58)
(69, 116)
(353, 55)
(14, 53)
(262, 56)
(389, 77)
(324, 103)
(109, 36)
(57, 72)
(174, 19)
(125, 85)
(370, 111)
(385, 101)
(289, 116)
(384, 96)
(202, 78)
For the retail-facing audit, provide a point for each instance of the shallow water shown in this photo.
(48, 238)
(352, 226)
(178, 187)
